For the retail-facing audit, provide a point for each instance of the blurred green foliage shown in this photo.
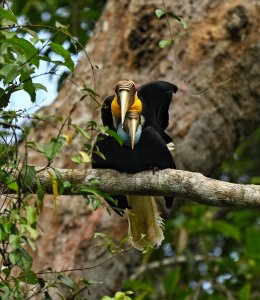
(244, 165)
(80, 16)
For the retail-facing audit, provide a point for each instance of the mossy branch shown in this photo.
(190, 185)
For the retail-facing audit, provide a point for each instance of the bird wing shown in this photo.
(106, 113)
(156, 97)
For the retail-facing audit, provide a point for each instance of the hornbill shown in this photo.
(140, 124)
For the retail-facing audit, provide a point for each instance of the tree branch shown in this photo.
(191, 185)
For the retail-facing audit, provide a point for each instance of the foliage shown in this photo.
(244, 165)
(79, 16)
(22, 51)
(208, 253)
(160, 13)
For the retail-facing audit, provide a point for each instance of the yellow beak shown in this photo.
(133, 124)
(124, 97)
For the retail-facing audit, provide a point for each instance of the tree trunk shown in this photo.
(206, 127)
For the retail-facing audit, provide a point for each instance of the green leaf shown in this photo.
(25, 261)
(59, 25)
(3, 234)
(170, 281)
(36, 146)
(77, 159)
(14, 257)
(164, 43)
(96, 202)
(40, 191)
(7, 14)
(68, 62)
(28, 174)
(228, 230)
(252, 242)
(90, 92)
(6, 223)
(28, 50)
(183, 23)
(89, 190)
(66, 281)
(39, 86)
(59, 181)
(4, 98)
(115, 136)
(255, 180)
(31, 214)
(9, 71)
(15, 241)
(53, 148)
(12, 184)
(28, 277)
(28, 84)
(32, 232)
(82, 132)
(244, 293)
(159, 13)
(31, 32)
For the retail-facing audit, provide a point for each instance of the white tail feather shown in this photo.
(145, 223)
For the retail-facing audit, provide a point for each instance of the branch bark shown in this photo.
(191, 185)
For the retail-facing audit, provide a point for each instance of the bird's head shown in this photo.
(131, 127)
(125, 99)
(130, 131)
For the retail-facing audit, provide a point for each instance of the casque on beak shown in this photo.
(131, 124)
(125, 91)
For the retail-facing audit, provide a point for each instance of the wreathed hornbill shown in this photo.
(140, 118)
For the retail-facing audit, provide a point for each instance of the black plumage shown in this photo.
(149, 153)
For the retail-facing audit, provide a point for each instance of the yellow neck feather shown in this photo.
(135, 107)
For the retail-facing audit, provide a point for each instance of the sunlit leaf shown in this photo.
(7, 14)
(164, 43)
(31, 214)
(159, 13)
(54, 184)
(68, 136)
(85, 157)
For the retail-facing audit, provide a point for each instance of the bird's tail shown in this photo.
(145, 223)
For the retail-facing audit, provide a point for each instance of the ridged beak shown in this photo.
(133, 124)
(132, 121)
(124, 97)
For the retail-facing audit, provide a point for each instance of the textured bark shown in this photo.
(222, 43)
(167, 182)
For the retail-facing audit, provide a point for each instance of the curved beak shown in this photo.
(133, 124)
(124, 97)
